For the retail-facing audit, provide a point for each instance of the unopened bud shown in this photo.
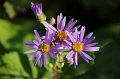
(41, 17)
(62, 64)
(52, 21)
(37, 9)
(50, 65)
(70, 61)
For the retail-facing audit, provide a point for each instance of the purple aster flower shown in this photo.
(37, 9)
(60, 32)
(42, 47)
(80, 46)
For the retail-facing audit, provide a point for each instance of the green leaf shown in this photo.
(11, 65)
(7, 31)
(109, 32)
(10, 9)
(103, 42)
(14, 37)
(21, 5)
(68, 71)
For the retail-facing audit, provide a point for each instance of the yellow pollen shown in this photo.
(61, 35)
(44, 47)
(77, 46)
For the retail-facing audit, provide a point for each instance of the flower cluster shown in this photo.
(64, 37)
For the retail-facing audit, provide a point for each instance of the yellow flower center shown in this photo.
(77, 47)
(44, 47)
(61, 35)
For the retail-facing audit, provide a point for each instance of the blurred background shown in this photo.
(17, 22)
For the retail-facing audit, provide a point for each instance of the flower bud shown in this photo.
(37, 9)
(52, 21)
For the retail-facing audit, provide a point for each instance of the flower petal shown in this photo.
(30, 51)
(71, 37)
(52, 55)
(70, 44)
(75, 60)
(82, 32)
(37, 9)
(40, 6)
(51, 38)
(43, 37)
(58, 21)
(43, 60)
(70, 24)
(87, 37)
(91, 49)
(56, 48)
(31, 45)
(76, 33)
(37, 58)
(63, 23)
(84, 57)
(47, 35)
(89, 40)
(34, 55)
(50, 30)
(73, 29)
(35, 42)
(49, 25)
(32, 3)
(70, 54)
(37, 36)
(92, 44)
